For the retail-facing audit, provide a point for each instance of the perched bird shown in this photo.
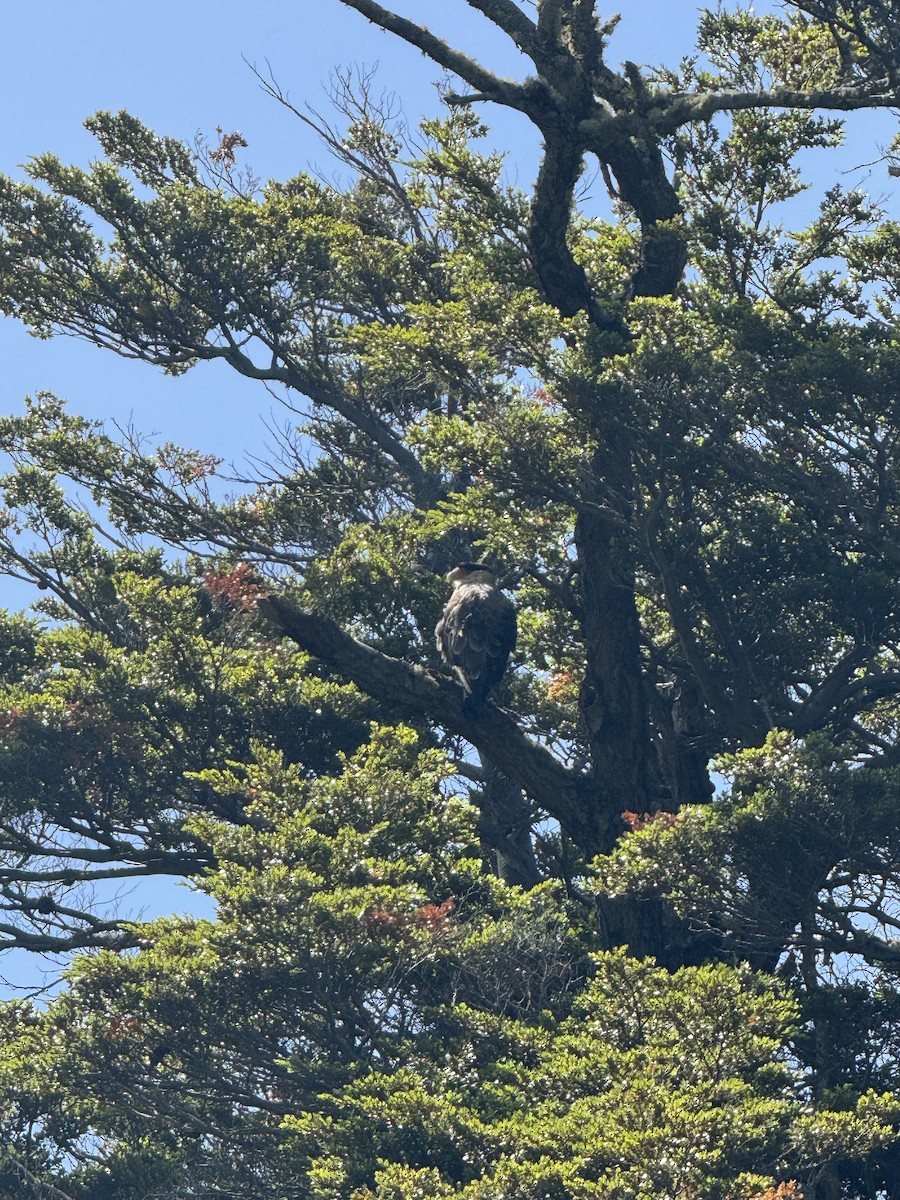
(477, 630)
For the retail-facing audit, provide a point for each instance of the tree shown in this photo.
(676, 433)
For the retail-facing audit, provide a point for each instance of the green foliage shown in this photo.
(613, 1099)
(782, 839)
(109, 725)
(369, 1014)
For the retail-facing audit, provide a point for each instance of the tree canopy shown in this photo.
(629, 931)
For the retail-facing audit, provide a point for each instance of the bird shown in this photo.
(477, 631)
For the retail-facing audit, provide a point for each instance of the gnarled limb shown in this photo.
(580, 105)
(563, 281)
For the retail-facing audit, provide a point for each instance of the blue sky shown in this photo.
(179, 66)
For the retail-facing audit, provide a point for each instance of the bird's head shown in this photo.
(471, 572)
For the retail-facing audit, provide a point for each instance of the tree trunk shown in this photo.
(505, 826)
(613, 698)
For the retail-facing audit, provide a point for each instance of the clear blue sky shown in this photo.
(179, 67)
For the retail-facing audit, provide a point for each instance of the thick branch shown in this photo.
(834, 690)
(563, 281)
(439, 51)
(414, 691)
(858, 941)
(676, 110)
(506, 16)
(563, 104)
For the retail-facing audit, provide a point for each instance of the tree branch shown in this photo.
(413, 691)
(113, 936)
(677, 109)
(321, 393)
(438, 50)
(563, 103)
(834, 690)
(505, 15)
(563, 280)
(856, 941)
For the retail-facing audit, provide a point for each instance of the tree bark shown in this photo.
(614, 705)
(505, 826)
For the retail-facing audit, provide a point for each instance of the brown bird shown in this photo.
(477, 630)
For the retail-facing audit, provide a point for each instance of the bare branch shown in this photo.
(505, 15)
(321, 393)
(39, 1187)
(852, 940)
(676, 110)
(502, 90)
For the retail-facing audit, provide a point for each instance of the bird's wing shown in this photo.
(476, 634)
